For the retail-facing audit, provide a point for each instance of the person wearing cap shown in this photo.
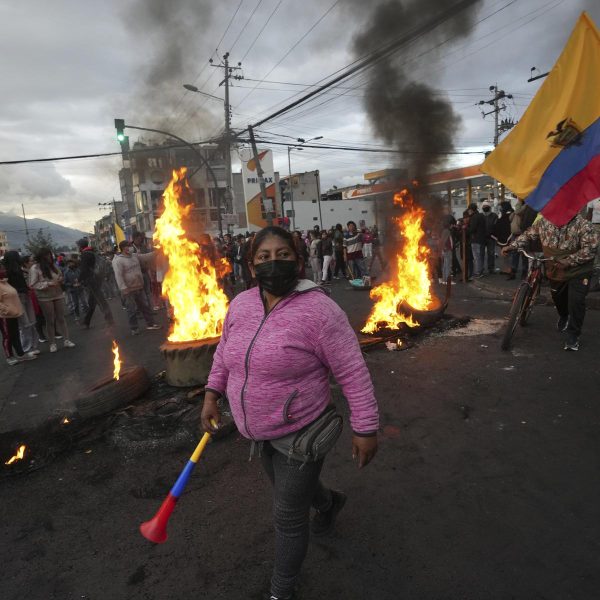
(477, 233)
(128, 272)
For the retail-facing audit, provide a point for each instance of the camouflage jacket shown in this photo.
(577, 240)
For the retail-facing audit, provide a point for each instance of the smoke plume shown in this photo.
(404, 112)
(169, 37)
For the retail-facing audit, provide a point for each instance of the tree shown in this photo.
(39, 240)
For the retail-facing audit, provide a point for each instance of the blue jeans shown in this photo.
(295, 490)
(357, 267)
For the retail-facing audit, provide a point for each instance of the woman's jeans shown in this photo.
(29, 338)
(295, 490)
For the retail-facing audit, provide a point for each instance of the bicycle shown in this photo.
(524, 297)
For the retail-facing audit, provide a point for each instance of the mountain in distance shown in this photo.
(14, 227)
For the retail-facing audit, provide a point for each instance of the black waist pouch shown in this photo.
(313, 441)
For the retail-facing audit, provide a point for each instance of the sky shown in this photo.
(70, 67)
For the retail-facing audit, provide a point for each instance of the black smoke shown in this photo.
(406, 113)
(169, 39)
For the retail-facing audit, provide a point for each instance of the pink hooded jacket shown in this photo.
(274, 368)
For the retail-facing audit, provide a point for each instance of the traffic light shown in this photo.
(120, 126)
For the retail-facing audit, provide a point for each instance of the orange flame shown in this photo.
(18, 456)
(117, 361)
(65, 421)
(192, 282)
(411, 284)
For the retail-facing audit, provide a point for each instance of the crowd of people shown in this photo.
(338, 252)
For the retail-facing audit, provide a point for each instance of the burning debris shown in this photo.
(192, 282)
(20, 455)
(398, 300)
(193, 288)
(117, 361)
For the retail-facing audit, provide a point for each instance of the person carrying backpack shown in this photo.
(93, 270)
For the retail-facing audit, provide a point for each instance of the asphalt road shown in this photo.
(485, 487)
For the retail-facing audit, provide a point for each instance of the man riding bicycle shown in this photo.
(573, 249)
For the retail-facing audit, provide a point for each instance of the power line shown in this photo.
(294, 46)
(363, 149)
(262, 29)
(229, 25)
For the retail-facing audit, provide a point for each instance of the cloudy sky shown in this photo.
(71, 66)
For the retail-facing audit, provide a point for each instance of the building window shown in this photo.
(314, 201)
(145, 200)
(201, 198)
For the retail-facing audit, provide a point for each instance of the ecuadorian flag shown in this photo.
(552, 157)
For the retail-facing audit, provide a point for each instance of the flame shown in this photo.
(117, 361)
(411, 284)
(65, 421)
(18, 456)
(192, 282)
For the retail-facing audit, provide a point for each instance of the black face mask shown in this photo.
(277, 277)
(486, 209)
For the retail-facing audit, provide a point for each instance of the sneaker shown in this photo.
(12, 360)
(53, 348)
(28, 356)
(42, 340)
(68, 344)
(58, 336)
(135, 332)
(36, 352)
(323, 522)
(440, 281)
(153, 327)
(562, 324)
(572, 344)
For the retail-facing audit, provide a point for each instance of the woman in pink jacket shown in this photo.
(280, 343)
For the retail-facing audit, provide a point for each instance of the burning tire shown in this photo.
(110, 394)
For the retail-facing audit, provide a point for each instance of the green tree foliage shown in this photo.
(39, 240)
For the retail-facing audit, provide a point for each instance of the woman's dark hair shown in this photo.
(12, 262)
(339, 227)
(264, 233)
(350, 223)
(47, 266)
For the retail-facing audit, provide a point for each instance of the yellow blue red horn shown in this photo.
(155, 529)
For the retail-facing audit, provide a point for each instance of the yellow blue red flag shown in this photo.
(551, 158)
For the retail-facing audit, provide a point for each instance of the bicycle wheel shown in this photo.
(529, 302)
(514, 315)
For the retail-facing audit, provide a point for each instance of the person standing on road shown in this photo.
(338, 248)
(573, 249)
(16, 277)
(327, 253)
(273, 363)
(353, 244)
(46, 280)
(490, 218)
(92, 281)
(128, 273)
(477, 236)
(313, 253)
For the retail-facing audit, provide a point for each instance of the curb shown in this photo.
(592, 301)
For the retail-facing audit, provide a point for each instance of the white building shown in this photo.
(3, 243)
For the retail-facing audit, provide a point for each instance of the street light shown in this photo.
(289, 149)
(193, 88)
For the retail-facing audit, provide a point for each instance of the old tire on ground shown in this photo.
(109, 394)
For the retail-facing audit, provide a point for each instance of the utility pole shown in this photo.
(261, 178)
(224, 64)
(25, 220)
(495, 102)
(499, 126)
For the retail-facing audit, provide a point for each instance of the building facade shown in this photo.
(3, 243)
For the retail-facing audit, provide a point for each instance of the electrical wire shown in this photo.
(294, 46)
(279, 3)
